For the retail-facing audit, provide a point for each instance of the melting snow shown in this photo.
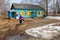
(53, 17)
(47, 31)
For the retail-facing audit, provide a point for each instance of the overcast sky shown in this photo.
(15, 1)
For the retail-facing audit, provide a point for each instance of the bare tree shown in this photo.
(56, 7)
(4, 5)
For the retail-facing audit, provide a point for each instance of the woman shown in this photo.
(21, 19)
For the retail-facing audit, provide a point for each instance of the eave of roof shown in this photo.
(25, 9)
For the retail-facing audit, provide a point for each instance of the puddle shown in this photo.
(16, 37)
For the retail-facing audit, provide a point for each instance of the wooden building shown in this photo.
(26, 10)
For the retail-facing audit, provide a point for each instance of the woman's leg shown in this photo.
(20, 21)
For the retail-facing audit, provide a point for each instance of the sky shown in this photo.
(14, 1)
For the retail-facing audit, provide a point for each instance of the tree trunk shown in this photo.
(46, 7)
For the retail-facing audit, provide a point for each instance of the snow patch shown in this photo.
(46, 32)
(53, 17)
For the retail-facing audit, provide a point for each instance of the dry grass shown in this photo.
(40, 22)
(14, 27)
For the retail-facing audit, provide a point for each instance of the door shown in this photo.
(13, 14)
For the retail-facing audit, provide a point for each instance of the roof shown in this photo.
(26, 6)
